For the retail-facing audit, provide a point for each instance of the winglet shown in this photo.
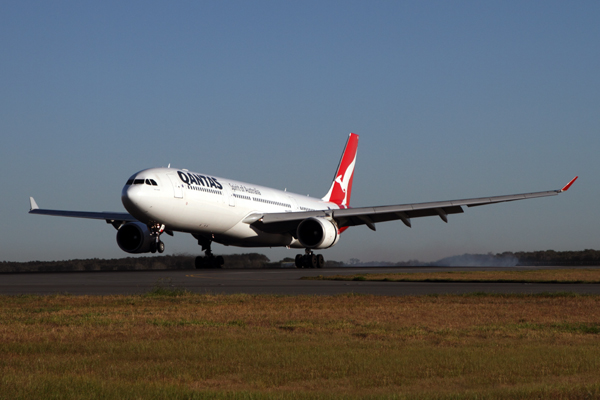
(568, 185)
(32, 204)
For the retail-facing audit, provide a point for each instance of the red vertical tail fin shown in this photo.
(341, 187)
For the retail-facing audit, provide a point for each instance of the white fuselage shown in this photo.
(214, 207)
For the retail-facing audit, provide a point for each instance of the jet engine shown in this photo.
(317, 233)
(134, 237)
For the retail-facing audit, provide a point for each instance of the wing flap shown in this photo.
(389, 213)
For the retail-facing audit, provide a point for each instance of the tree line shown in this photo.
(551, 257)
(256, 260)
(167, 262)
(516, 259)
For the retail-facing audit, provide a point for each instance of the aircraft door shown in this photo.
(177, 186)
(230, 195)
(293, 203)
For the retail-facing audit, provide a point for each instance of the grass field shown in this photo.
(170, 344)
(528, 276)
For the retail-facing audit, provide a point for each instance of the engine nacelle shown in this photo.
(317, 233)
(134, 237)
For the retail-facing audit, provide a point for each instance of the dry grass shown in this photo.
(532, 276)
(242, 346)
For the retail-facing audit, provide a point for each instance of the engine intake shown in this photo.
(134, 237)
(317, 233)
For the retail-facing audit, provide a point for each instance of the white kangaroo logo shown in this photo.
(344, 179)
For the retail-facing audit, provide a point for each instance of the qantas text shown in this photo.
(201, 180)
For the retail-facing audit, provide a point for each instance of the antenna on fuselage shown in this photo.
(169, 166)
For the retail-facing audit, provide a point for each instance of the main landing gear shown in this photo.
(309, 260)
(209, 260)
(157, 245)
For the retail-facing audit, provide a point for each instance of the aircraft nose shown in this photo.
(134, 199)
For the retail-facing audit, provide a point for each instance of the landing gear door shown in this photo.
(177, 186)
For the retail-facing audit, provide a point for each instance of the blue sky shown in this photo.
(451, 100)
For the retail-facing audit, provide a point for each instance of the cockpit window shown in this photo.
(130, 180)
(149, 182)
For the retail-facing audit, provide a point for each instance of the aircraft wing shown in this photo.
(110, 217)
(371, 215)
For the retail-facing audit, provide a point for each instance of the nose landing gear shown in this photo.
(209, 260)
(309, 260)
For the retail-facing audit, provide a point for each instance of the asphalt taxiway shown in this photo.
(263, 281)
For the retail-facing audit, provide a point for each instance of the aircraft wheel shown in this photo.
(160, 247)
(306, 261)
(320, 261)
(219, 261)
(298, 261)
(199, 262)
(310, 261)
(153, 247)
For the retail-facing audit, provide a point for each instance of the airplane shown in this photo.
(233, 213)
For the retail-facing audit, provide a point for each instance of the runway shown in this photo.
(262, 281)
